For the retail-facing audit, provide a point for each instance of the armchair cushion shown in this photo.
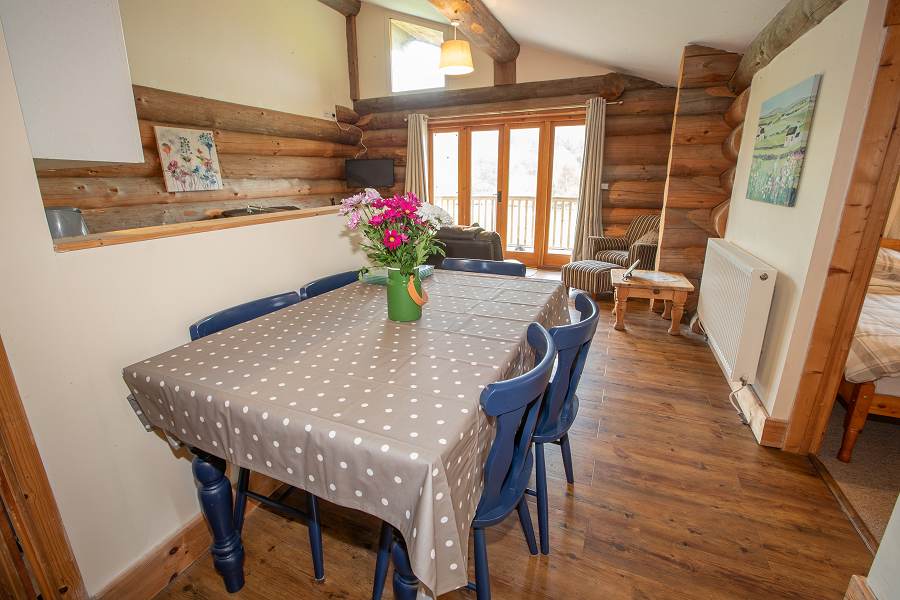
(617, 257)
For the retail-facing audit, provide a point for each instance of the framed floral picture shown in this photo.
(189, 159)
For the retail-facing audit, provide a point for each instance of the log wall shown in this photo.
(635, 154)
(267, 158)
(694, 182)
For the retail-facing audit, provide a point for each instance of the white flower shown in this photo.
(435, 215)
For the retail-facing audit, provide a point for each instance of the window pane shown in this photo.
(485, 155)
(445, 148)
(523, 172)
(568, 152)
(415, 56)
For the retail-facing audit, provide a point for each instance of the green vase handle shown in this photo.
(414, 294)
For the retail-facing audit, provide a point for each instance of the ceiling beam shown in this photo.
(348, 8)
(792, 21)
(481, 27)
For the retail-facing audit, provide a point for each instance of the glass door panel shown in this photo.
(445, 171)
(484, 168)
(522, 189)
(568, 153)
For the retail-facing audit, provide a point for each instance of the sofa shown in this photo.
(463, 241)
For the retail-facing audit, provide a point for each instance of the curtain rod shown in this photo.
(520, 110)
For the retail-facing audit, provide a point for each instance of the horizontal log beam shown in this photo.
(482, 28)
(192, 111)
(736, 113)
(236, 142)
(609, 86)
(345, 7)
(636, 172)
(702, 67)
(92, 192)
(796, 18)
(345, 114)
(635, 149)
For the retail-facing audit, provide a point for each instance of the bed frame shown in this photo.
(861, 400)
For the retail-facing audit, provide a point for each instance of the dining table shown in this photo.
(330, 396)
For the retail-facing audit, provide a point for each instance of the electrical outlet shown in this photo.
(604, 186)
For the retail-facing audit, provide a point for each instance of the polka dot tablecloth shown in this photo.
(330, 396)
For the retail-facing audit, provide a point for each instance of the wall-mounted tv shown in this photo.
(369, 172)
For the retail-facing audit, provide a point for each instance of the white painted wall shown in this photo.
(71, 73)
(798, 241)
(884, 578)
(71, 321)
(534, 63)
(288, 55)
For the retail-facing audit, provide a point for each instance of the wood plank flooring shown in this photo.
(673, 499)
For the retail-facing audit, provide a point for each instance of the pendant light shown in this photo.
(456, 55)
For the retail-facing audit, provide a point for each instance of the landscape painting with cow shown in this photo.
(781, 138)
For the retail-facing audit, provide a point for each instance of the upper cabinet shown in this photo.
(71, 70)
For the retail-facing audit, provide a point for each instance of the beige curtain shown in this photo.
(416, 156)
(589, 220)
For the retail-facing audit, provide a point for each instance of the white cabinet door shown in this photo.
(71, 71)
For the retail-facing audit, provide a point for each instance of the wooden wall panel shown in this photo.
(268, 157)
(697, 161)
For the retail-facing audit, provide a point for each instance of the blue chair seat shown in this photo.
(554, 431)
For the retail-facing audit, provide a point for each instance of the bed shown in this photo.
(871, 384)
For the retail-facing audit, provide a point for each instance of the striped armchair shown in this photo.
(634, 246)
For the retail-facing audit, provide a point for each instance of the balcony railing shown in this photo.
(520, 220)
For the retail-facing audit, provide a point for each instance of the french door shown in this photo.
(517, 177)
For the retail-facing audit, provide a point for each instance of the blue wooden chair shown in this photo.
(327, 284)
(494, 267)
(515, 405)
(215, 323)
(241, 313)
(560, 405)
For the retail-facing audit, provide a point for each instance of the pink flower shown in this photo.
(376, 220)
(393, 239)
(355, 218)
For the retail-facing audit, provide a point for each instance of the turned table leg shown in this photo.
(678, 301)
(406, 584)
(214, 492)
(857, 413)
(621, 305)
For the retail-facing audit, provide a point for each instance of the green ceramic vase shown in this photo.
(401, 305)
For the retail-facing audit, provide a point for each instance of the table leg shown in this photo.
(621, 305)
(214, 493)
(677, 312)
(406, 584)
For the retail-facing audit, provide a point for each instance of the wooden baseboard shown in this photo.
(859, 589)
(858, 524)
(155, 570)
(766, 430)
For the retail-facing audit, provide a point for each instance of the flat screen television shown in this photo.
(369, 172)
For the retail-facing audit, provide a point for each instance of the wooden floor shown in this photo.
(673, 499)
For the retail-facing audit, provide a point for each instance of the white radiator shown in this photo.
(735, 295)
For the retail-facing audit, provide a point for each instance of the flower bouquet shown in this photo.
(398, 234)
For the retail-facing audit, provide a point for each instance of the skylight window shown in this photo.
(415, 55)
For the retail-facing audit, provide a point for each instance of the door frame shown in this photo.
(28, 499)
(866, 207)
(546, 121)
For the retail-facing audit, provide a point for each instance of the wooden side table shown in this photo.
(673, 288)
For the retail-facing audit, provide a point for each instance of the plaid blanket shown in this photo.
(875, 350)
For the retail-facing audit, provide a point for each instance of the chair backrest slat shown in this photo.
(515, 404)
(241, 313)
(475, 265)
(327, 284)
(572, 344)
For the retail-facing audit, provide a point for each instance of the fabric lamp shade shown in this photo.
(456, 58)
